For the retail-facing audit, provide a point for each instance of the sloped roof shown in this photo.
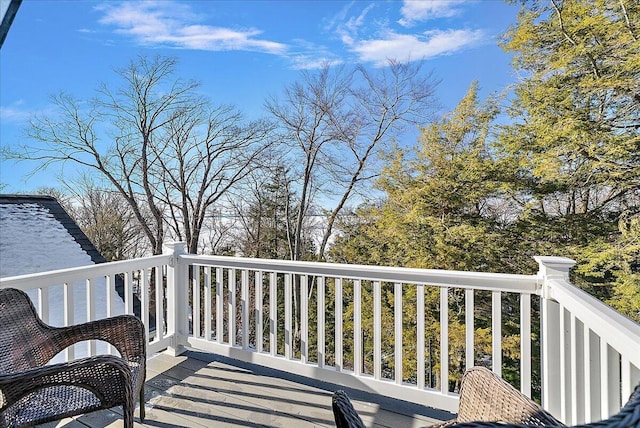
(30, 215)
(37, 234)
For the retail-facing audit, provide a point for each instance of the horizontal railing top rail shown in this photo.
(585, 345)
(80, 273)
(85, 293)
(513, 283)
(621, 333)
(590, 353)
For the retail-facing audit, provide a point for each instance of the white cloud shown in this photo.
(313, 62)
(349, 29)
(421, 10)
(337, 20)
(306, 55)
(172, 24)
(405, 47)
(13, 114)
(374, 40)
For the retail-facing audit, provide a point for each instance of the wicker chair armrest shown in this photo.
(448, 423)
(344, 414)
(107, 376)
(125, 332)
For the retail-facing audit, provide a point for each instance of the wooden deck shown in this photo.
(204, 390)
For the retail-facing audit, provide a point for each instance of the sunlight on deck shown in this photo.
(202, 390)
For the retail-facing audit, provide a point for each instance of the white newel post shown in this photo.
(555, 381)
(177, 297)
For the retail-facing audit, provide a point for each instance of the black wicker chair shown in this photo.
(343, 412)
(32, 392)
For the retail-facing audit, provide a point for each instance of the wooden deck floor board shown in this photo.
(202, 390)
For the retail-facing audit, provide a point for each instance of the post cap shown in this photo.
(554, 266)
(179, 247)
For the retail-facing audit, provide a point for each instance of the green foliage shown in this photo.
(267, 219)
(561, 178)
(440, 209)
(615, 266)
(577, 112)
(572, 149)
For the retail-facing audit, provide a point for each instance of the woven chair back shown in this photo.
(22, 339)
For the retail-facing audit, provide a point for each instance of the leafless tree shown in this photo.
(210, 152)
(103, 216)
(218, 231)
(157, 141)
(313, 114)
(336, 121)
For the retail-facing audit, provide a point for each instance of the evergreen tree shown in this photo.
(268, 219)
(571, 154)
(442, 209)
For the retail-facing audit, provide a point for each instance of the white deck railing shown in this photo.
(590, 353)
(267, 311)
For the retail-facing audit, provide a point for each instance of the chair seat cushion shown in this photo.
(48, 404)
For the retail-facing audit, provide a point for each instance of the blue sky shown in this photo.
(241, 51)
